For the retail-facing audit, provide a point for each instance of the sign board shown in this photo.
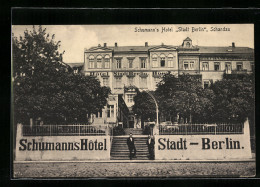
(202, 147)
(33, 148)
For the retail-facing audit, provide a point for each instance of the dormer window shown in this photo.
(187, 43)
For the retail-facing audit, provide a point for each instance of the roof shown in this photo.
(130, 48)
(194, 49)
(123, 48)
(187, 39)
(210, 49)
(77, 64)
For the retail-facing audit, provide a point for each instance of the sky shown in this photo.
(74, 38)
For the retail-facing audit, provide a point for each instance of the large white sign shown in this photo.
(63, 148)
(201, 147)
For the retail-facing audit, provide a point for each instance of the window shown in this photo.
(188, 44)
(118, 82)
(110, 111)
(99, 61)
(252, 66)
(239, 66)
(143, 82)
(170, 60)
(75, 71)
(130, 98)
(162, 60)
(186, 65)
(130, 63)
(216, 66)
(191, 65)
(99, 114)
(130, 80)
(105, 81)
(206, 84)
(228, 67)
(154, 61)
(107, 61)
(143, 64)
(91, 62)
(205, 66)
(118, 63)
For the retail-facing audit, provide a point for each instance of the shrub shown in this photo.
(147, 130)
(118, 131)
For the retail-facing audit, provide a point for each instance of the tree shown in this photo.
(181, 96)
(235, 98)
(144, 106)
(45, 87)
(185, 97)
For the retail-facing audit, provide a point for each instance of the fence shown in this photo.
(66, 130)
(198, 129)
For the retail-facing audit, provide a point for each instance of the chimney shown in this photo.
(116, 44)
(233, 44)
(146, 44)
(105, 44)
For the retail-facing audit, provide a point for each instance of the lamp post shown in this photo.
(157, 108)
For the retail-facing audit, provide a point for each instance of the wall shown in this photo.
(166, 53)
(95, 54)
(27, 150)
(203, 147)
(186, 58)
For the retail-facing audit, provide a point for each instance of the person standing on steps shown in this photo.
(150, 144)
(131, 146)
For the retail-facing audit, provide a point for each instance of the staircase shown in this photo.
(134, 131)
(120, 149)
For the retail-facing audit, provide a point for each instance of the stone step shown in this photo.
(125, 140)
(127, 158)
(126, 147)
(140, 150)
(120, 151)
(127, 154)
(125, 137)
(127, 150)
(119, 146)
(124, 144)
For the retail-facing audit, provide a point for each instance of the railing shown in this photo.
(198, 129)
(66, 130)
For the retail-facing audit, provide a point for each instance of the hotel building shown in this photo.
(122, 68)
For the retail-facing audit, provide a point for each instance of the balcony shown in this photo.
(192, 72)
(243, 71)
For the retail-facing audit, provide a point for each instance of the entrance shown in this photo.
(131, 124)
